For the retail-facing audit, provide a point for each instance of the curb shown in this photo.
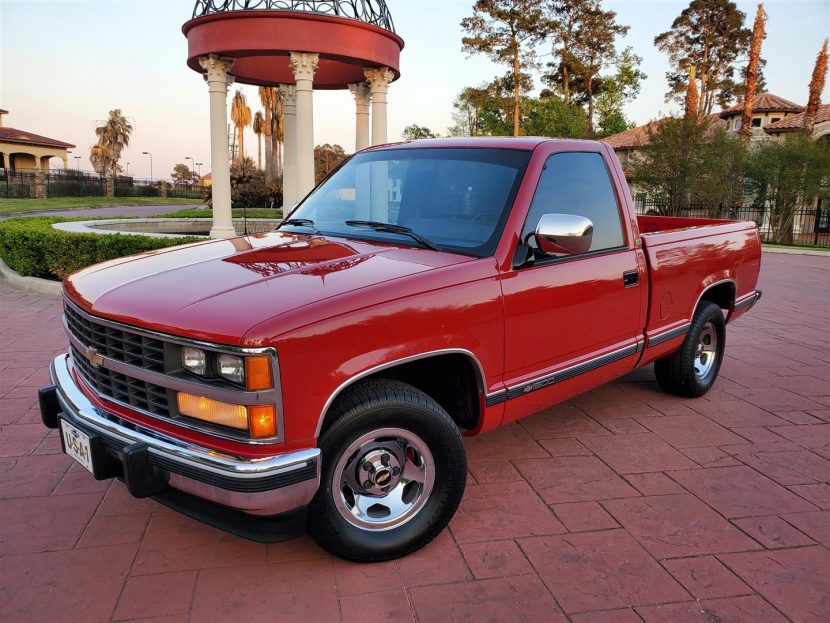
(790, 251)
(30, 284)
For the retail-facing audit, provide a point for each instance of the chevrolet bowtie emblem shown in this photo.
(93, 357)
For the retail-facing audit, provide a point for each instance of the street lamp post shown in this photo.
(78, 164)
(147, 153)
(193, 164)
(199, 164)
(128, 169)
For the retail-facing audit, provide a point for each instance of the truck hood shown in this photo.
(218, 290)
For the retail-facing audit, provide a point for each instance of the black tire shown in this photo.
(384, 405)
(677, 373)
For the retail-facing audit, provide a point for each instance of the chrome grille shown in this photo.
(124, 389)
(131, 348)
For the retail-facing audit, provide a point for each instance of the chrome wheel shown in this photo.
(707, 351)
(383, 479)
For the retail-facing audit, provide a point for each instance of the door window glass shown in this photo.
(577, 183)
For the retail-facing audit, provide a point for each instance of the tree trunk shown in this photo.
(590, 87)
(269, 152)
(516, 93)
(259, 151)
(241, 143)
(566, 82)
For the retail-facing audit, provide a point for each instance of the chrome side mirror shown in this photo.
(567, 234)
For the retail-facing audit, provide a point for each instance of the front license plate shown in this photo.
(77, 445)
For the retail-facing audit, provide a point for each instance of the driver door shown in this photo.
(572, 321)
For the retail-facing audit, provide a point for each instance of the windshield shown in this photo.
(453, 199)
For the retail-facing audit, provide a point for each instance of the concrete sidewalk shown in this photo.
(623, 505)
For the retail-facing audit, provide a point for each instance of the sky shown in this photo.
(64, 64)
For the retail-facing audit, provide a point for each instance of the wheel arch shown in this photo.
(412, 369)
(722, 293)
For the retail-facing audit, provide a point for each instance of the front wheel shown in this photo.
(393, 474)
(692, 369)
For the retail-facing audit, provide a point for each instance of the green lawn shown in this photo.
(238, 213)
(8, 206)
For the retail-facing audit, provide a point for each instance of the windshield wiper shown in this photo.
(395, 229)
(300, 222)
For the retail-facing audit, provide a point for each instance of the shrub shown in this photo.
(32, 247)
(249, 188)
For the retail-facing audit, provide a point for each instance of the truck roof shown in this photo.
(526, 143)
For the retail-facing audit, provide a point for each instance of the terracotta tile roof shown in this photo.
(3, 112)
(638, 137)
(19, 137)
(796, 122)
(764, 102)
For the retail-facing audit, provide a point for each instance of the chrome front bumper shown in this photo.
(268, 486)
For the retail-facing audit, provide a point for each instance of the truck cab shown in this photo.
(322, 376)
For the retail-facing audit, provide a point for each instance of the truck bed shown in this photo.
(688, 256)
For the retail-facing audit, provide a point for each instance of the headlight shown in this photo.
(194, 360)
(231, 367)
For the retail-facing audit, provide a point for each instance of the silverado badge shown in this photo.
(92, 356)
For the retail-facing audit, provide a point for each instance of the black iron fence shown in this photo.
(73, 183)
(68, 183)
(17, 185)
(805, 226)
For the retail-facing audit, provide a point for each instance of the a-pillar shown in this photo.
(379, 79)
(304, 65)
(218, 79)
(289, 170)
(362, 99)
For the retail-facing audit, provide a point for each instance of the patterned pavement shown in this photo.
(624, 504)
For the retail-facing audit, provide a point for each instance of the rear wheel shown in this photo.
(692, 369)
(393, 473)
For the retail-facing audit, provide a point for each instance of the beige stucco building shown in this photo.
(24, 151)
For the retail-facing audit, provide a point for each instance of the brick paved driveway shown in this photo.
(623, 505)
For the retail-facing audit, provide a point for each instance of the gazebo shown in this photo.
(297, 46)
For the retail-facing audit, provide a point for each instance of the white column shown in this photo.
(218, 79)
(304, 65)
(379, 79)
(362, 99)
(289, 152)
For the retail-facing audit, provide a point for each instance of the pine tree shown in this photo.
(710, 35)
(506, 31)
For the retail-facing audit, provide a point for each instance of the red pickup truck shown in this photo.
(321, 376)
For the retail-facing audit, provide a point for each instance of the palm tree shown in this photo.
(816, 86)
(241, 117)
(259, 127)
(97, 157)
(271, 102)
(113, 136)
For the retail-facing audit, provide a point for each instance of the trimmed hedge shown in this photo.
(33, 248)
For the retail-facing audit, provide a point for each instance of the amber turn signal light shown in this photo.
(263, 421)
(213, 411)
(258, 373)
